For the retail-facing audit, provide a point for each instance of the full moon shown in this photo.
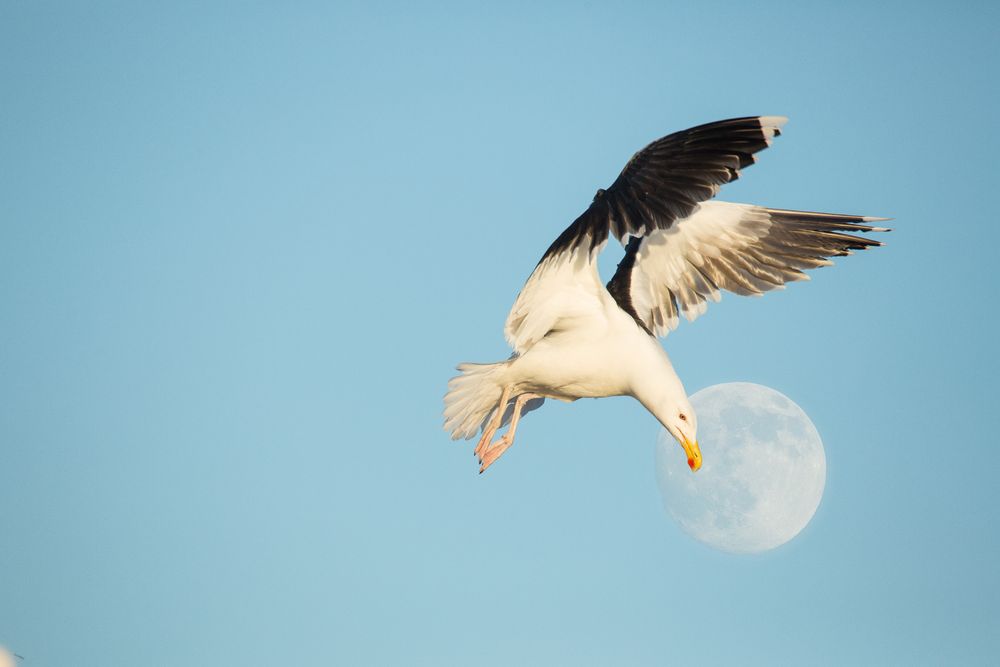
(762, 474)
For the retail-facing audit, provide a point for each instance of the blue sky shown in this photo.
(242, 247)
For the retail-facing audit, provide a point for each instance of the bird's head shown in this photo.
(682, 423)
(663, 395)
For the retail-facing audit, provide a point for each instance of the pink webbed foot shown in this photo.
(494, 451)
(488, 452)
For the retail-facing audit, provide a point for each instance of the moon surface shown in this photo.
(762, 475)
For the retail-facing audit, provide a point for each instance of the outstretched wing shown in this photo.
(661, 184)
(741, 248)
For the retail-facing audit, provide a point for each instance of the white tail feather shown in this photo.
(471, 398)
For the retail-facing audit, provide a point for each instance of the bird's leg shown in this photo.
(494, 422)
(497, 448)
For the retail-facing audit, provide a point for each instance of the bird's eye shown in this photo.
(684, 417)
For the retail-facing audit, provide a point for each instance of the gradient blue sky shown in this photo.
(243, 245)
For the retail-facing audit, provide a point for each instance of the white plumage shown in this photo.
(573, 337)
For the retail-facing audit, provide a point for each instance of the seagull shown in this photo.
(573, 337)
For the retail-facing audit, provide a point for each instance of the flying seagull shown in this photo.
(576, 338)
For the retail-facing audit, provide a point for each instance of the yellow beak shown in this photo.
(693, 454)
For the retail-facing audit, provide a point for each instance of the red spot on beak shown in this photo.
(691, 463)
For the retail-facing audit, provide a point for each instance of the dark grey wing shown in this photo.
(667, 179)
(661, 184)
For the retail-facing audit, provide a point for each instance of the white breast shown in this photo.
(600, 357)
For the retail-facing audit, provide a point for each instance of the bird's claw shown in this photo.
(493, 452)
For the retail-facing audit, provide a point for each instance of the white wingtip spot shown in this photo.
(871, 218)
(770, 125)
(774, 122)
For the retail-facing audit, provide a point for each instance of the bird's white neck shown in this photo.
(659, 389)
